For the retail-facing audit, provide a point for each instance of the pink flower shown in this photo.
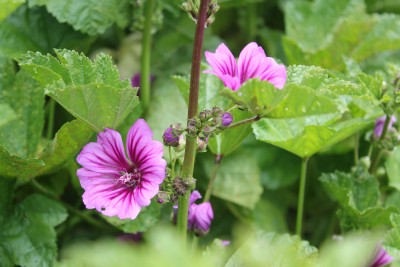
(381, 258)
(200, 215)
(380, 123)
(252, 63)
(114, 184)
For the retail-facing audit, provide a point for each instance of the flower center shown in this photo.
(130, 178)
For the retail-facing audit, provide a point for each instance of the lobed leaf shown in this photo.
(91, 91)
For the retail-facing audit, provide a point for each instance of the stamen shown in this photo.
(130, 179)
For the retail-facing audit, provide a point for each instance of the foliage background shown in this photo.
(42, 217)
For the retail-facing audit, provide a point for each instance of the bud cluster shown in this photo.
(175, 188)
(192, 8)
(207, 124)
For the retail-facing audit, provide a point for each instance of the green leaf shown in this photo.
(263, 99)
(270, 249)
(354, 250)
(68, 141)
(392, 165)
(210, 87)
(392, 239)
(310, 23)
(91, 91)
(357, 191)
(15, 166)
(346, 30)
(8, 6)
(229, 140)
(91, 17)
(358, 195)
(238, 179)
(147, 218)
(28, 237)
(265, 216)
(24, 96)
(36, 30)
(305, 137)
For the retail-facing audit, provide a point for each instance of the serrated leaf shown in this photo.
(392, 165)
(305, 137)
(91, 17)
(357, 191)
(91, 91)
(28, 237)
(270, 249)
(358, 196)
(238, 179)
(147, 218)
(229, 140)
(36, 30)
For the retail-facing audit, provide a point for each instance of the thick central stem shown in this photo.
(146, 55)
(300, 203)
(191, 145)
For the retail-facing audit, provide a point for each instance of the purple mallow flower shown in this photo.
(226, 119)
(381, 258)
(200, 215)
(135, 81)
(252, 63)
(380, 123)
(114, 184)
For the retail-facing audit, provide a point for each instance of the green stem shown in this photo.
(70, 208)
(191, 145)
(300, 203)
(146, 55)
(376, 152)
(243, 122)
(50, 119)
(356, 148)
(213, 177)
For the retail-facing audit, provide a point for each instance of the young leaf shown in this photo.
(91, 17)
(91, 91)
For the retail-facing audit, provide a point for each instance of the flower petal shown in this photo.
(250, 62)
(106, 155)
(89, 178)
(139, 136)
(145, 193)
(222, 62)
(231, 82)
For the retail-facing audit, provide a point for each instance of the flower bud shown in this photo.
(226, 119)
(202, 144)
(163, 197)
(170, 138)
